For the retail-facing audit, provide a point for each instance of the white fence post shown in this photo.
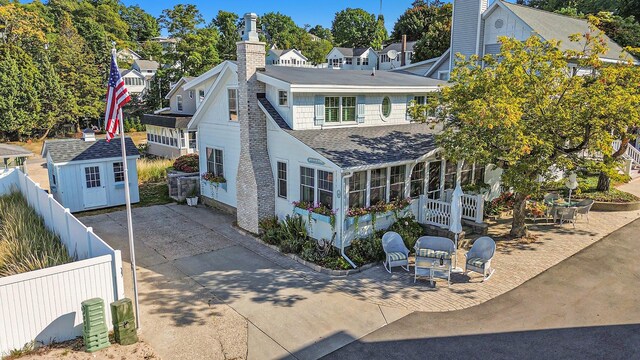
(67, 214)
(479, 209)
(89, 247)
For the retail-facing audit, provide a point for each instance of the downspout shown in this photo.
(342, 217)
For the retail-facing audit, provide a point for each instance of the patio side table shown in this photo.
(432, 270)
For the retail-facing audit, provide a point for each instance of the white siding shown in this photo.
(285, 111)
(188, 101)
(512, 26)
(216, 131)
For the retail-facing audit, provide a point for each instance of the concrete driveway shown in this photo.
(587, 307)
(209, 292)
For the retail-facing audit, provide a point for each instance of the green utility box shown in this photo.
(124, 322)
(94, 325)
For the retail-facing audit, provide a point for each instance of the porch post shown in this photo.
(479, 209)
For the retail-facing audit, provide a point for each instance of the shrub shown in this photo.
(187, 163)
(294, 234)
(271, 230)
(409, 229)
(152, 170)
(366, 250)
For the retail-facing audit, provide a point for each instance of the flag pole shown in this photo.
(127, 198)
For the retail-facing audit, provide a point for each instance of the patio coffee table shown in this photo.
(432, 270)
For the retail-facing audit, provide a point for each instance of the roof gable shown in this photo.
(68, 150)
(227, 66)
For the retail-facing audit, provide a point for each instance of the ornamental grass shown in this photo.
(25, 242)
(153, 170)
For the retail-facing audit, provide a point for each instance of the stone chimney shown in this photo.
(465, 30)
(255, 184)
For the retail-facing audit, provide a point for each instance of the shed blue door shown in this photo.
(94, 187)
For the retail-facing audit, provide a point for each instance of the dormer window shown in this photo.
(232, 95)
(283, 98)
(179, 102)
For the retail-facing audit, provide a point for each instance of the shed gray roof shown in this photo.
(12, 151)
(314, 76)
(173, 121)
(555, 26)
(67, 150)
(355, 146)
(147, 64)
(397, 46)
(350, 52)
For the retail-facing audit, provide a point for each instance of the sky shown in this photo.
(302, 11)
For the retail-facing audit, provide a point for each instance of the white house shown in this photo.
(391, 57)
(476, 27)
(127, 55)
(88, 174)
(352, 58)
(135, 82)
(271, 136)
(290, 57)
(167, 133)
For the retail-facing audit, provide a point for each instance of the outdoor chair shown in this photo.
(584, 207)
(567, 214)
(548, 200)
(478, 259)
(432, 248)
(396, 253)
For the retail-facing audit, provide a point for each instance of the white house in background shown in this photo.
(352, 58)
(341, 138)
(128, 55)
(87, 174)
(148, 68)
(290, 57)
(391, 56)
(135, 82)
(167, 133)
(476, 27)
(168, 44)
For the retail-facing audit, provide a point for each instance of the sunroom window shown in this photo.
(378, 186)
(358, 190)
(417, 180)
(396, 188)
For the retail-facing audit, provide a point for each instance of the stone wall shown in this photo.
(181, 184)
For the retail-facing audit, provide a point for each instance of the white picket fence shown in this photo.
(438, 213)
(44, 305)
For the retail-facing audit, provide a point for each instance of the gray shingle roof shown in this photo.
(147, 64)
(313, 76)
(354, 146)
(559, 27)
(397, 46)
(10, 151)
(67, 150)
(350, 52)
(173, 121)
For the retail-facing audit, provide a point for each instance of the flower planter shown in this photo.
(320, 217)
(192, 201)
(301, 212)
(217, 185)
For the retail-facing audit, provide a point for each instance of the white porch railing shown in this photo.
(438, 213)
(631, 153)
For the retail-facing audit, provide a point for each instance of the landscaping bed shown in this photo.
(25, 242)
(291, 237)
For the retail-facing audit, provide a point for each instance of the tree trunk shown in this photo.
(46, 133)
(518, 226)
(604, 182)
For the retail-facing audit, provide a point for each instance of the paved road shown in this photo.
(587, 307)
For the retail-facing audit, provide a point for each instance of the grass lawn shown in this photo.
(587, 190)
(25, 243)
(34, 146)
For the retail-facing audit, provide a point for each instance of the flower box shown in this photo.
(351, 220)
(300, 211)
(320, 217)
(219, 185)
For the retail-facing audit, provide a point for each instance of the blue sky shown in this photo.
(302, 11)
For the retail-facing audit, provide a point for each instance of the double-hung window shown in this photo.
(378, 186)
(325, 188)
(339, 109)
(307, 185)
(201, 95)
(283, 99)
(232, 95)
(450, 174)
(365, 61)
(215, 162)
(358, 190)
(282, 179)
(417, 180)
(397, 184)
(179, 102)
(349, 61)
(118, 172)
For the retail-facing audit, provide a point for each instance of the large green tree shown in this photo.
(227, 25)
(142, 25)
(181, 20)
(282, 32)
(354, 28)
(428, 23)
(527, 114)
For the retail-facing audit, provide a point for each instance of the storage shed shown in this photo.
(87, 174)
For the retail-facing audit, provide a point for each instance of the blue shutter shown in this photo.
(318, 119)
(360, 109)
(409, 99)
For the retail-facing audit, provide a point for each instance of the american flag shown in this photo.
(117, 97)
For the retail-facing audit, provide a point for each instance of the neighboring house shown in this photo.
(391, 56)
(477, 26)
(167, 133)
(87, 174)
(135, 82)
(148, 68)
(352, 59)
(290, 57)
(127, 55)
(12, 156)
(168, 44)
(339, 138)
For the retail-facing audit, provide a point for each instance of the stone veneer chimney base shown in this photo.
(255, 183)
